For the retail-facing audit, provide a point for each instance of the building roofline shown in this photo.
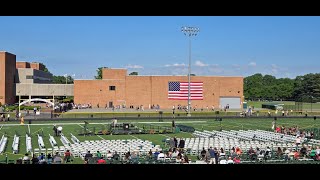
(115, 68)
(6, 52)
(180, 76)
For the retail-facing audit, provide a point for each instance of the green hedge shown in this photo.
(13, 108)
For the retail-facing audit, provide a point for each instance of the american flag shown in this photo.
(179, 91)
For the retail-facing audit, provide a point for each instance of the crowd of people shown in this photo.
(294, 131)
(45, 159)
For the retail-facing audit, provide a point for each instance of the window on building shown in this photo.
(112, 88)
(29, 77)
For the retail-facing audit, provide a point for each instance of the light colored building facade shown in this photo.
(27, 80)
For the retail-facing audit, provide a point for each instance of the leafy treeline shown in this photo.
(62, 80)
(303, 88)
(59, 79)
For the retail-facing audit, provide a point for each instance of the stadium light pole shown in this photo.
(189, 31)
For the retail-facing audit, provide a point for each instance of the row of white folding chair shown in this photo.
(15, 144)
(3, 143)
(28, 144)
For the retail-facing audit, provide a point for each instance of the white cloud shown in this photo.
(134, 66)
(175, 65)
(252, 64)
(200, 64)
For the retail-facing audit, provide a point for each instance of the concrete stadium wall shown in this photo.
(44, 89)
(38, 76)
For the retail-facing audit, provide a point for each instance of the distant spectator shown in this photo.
(57, 159)
(175, 142)
(223, 161)
(26, 159)
(116, 156)
(230, 161)
(49, 159)
(171, 143)
(101, 161)
(212, 156)
(34, 159)
(236, 160)
(67, 156)
(203, 154)
(181, 143)
(19, 161)
(98, 154)
(87, 156)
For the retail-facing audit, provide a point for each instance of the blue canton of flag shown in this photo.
(174, 86)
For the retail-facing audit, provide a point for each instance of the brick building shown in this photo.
(116, 88)
(27, 80)
(7, 77)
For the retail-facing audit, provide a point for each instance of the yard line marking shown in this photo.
(1, 127)
(81, 126)
(29, 128)
(133, 136)
(101, 137)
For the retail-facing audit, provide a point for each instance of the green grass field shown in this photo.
(11, 128)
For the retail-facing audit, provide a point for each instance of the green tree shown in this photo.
(45, 68)
(133, 74)
(99, 73)
(307, 87)
(62, 80)
(192, 74)
(252, 86)
(268, 87)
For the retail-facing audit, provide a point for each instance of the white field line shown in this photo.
(186, 122)
(97, 135)
(101, 137)
(133, 136)
(1, 127)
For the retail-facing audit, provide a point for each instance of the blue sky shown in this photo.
(154, 45)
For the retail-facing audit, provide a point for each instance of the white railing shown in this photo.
(15, 144)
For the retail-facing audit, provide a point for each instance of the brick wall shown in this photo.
(149, 90)
(7, 75)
